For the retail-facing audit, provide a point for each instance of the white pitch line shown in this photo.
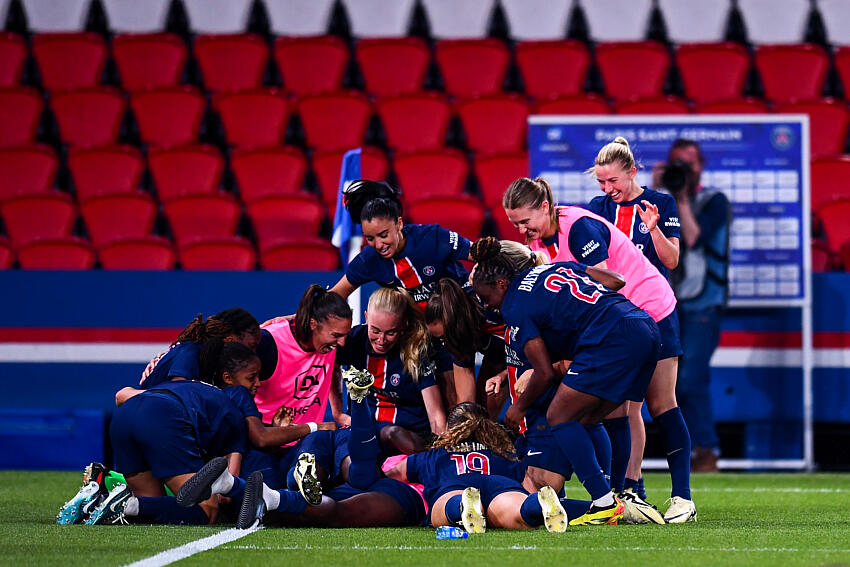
(790, 490)
(170, 556)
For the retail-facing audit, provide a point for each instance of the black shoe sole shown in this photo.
(253, 507)
(198, 488)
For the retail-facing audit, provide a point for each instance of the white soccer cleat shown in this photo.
(471, 511)
(306, 479)
(358, 383)
(638, 510)
(554, 515)
(680, 511)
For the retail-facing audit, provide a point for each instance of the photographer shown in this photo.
(701, 285)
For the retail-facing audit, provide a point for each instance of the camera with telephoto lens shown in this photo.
(677, 175)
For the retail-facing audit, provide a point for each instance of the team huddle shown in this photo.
(577, 329)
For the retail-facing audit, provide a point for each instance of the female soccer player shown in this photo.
(575, 234)
(651, 220)
(559, 313)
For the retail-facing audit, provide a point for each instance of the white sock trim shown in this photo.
(604, 501)
(223, 484)
(271, 498)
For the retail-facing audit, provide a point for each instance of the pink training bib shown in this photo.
(645, 286)
(301, 380)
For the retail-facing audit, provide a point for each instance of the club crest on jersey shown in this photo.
(395, 379)
(643, 229)
(428, 270)
(514, 331)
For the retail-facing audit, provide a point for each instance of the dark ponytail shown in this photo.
(233, 321)
(503, 259)
(319, 304)
(219, 356)
(366, 200)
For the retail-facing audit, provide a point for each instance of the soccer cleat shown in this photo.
(111, 510)
(638, 510)
(357, 382)
(199, 487)
(554, 515)
(76, 509)
(471, 511)
(95, 472)
(253, 506)
(306, 479)
(598, 516)
(680, 511)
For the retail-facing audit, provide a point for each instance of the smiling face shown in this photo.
(532, 222)
(384, 330)
(329, 334)
(616, 182)
(384, 235)
(248, 375)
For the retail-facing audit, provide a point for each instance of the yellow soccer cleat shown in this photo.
(598, 516)
(471, 511)
(554, 515)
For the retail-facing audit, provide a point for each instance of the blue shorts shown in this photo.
(541, 450)
(329, 447)
(490, 486)
(409, 500)
(152, 432)
(621, 367)
(671, 345)
(258, 460)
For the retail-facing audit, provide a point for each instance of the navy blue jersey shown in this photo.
(437, 467)
(390, 375)
(517, 364)
(180, 361)
(218, 424)
(589, 240)
(242, 399)
(430, 252)
(626, 218)
(565, 307)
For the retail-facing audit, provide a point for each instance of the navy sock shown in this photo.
(290, 479)
(577, 447)
(575, 508)
(238, 490)
(165, 510)
(631, 483)
(602, 447)
(531, 511)
(677, 445)
(641, 491)
(621, 450)
(453, 509)
(291, 501)
(363, 447)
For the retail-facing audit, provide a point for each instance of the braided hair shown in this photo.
(233, 321)
(500, 259)
(365, 200)
(468, 423)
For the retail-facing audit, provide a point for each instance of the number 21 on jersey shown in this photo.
(565, 276)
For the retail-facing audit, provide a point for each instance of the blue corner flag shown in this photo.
(344, 229)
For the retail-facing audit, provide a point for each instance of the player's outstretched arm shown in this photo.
(608, 278)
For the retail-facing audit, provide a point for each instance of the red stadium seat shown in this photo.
(335, 120)
(148, 253)
(792, 72)
(833, 218)
(168, 116)
(415, 121)
(202, 216)
(231, 62)
(221, 254)
(148, 61)
(254, 117)
(304, 254)
(843, 258)
(393, 66)
(106, 170)
(31, 217)
(285, 217)
(69, 60)
(553, 68)
(90, 116)
(827, 177)
(578, 104)
(67, 253)
(653, 105)
(842, 66)
(187, 170)
(822, 259)
(327, 165)
(463, 215)
(311, 65)
(270, 171)
(713, 71)
(20, 113)
(431, 173)
(472, 66)
(827, 124)
(27, 170)
(495, 173)
(746, 105)
(7, 255)
(633, 69)
(115, 217)
(494, 123)
(13, 53)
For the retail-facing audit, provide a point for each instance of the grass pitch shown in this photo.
(744, 519)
